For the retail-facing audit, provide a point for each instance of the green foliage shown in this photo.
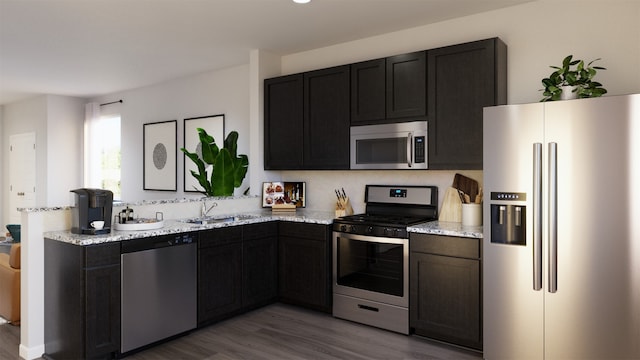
(573, 73)
(228, 169)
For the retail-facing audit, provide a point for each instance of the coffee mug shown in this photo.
(98, 224)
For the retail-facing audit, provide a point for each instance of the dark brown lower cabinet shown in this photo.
(82, 300)
(304, 253)
(237, 270)
(446, 289)
(260, 264)
(219, 274)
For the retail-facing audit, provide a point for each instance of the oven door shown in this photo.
(371, 268)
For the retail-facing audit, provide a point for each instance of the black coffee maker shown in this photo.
(91, 205)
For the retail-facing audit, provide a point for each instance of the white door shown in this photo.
(22, 174)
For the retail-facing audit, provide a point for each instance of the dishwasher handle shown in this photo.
(157, 242)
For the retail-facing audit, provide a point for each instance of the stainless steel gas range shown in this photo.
(371, 255)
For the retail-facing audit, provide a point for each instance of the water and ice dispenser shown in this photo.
(508, 220)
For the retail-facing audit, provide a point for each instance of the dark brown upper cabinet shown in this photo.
(463, 79)
(368, 91)
(392, 89)
(283, 113)
(407, 86)
(308, 115)
(326, 119)
(307, 120)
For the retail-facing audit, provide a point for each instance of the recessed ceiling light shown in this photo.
(301, 1)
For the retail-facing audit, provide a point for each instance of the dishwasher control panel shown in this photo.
(156, 242)
(186, 238)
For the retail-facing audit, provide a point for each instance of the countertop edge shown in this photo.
(180, 226)
(447, 229)
(312, 217)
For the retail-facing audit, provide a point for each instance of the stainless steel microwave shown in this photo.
(389, 146)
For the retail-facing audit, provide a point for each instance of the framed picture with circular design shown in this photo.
(160, 156)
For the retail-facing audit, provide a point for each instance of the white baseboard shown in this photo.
(32, 352)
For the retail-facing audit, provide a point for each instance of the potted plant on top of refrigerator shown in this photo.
(572, 80)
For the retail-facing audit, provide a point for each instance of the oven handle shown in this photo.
(368, 238)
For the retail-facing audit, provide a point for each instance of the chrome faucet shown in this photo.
(204, 211)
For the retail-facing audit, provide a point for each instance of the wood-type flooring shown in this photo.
(282, 332)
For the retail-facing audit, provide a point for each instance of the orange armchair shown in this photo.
(10, 285)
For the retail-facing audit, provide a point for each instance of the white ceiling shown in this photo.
(92, 47)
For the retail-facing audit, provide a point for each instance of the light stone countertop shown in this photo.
(306, 216)
(447, 229)
(178, 226)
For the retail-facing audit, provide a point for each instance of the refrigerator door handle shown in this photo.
(537, 216)
(553, 217)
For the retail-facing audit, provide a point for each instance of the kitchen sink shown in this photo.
(221, 219)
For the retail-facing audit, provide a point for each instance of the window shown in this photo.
(102, 153)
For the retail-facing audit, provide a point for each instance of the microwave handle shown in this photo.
(410, 150)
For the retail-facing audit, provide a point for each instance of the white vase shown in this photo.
(568, 92)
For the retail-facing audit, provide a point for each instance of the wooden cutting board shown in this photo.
(451, 206)
(466, 184)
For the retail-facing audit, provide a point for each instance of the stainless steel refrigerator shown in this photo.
(561, 246)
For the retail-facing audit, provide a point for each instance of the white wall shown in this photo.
(65, 118)
(263, 65)
(218, 92)
(57, 123)
(24, 117)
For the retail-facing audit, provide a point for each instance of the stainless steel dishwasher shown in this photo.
(159, 288)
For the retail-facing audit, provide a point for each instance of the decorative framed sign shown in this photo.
(214, 126)
(284, 192)
(160, 156)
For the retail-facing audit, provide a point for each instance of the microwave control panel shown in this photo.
(419, 149)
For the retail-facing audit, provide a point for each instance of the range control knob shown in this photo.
(369, 229)
(353, 228)
(343, 228)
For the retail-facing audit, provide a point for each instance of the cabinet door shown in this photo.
(304, 263)
(260, 264)
(368, 92)
(462, 80)
(326, 118)
(302, 272)
(102, 299)
(283, 119)
(102, 311)
(219, 281)
(407, 86)
(445, 298)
